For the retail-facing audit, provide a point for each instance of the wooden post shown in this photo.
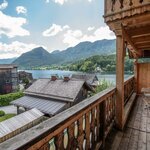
(120, 45)
(136, 75)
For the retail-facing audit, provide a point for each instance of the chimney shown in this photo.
(66, 79)
(53, 78)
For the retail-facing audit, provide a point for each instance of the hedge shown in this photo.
(2, 113)
(7, 98)
(7, 116)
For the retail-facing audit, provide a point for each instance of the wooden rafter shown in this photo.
(129, 40)
(143, 30)
(138, 39)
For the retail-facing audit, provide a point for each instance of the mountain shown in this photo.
(87, 49)
(40, 57)
(36, 57)
(7, 61)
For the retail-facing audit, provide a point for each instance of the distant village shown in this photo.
(42, 98)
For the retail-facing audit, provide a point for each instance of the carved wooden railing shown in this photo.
(129, 88)
(114, 7)
(83, 126)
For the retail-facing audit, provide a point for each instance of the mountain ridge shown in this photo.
(40, 57)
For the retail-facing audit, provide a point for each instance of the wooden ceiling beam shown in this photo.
(143, 30)
(129, 40)
(139, 39)
(140, 35)
(142, 44)
(146, 46)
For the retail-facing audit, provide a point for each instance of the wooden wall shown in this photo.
(143, 76)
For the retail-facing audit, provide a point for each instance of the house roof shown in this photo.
(58, 89)
(7, 66)
(50, 107)
(17, 122)
(89, 78)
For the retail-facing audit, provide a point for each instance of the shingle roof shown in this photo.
(11, 125)
(58, 89)
(46, 106)
(89, 78)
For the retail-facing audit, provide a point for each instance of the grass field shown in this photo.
(7, 116)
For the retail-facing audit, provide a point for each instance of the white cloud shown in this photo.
(3, 5)
(21, 9)
(12, 26)
(91, 28)
(61, 2)
(72, 38)
(54, 30)
(15, 49)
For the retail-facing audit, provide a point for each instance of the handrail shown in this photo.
(129, 87)
(97, 113)
(128, 79)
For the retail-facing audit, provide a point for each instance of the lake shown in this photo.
(47, 74)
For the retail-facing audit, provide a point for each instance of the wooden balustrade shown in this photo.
(86, 129)
(129, 88)
(116, 7)
(83, 126)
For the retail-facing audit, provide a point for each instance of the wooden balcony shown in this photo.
(120, 9)
(83, 126)
(130, 21)
(136, 135)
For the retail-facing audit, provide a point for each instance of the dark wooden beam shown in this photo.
(143, 44)
(143, 30)
(129, 40)
(143, 38)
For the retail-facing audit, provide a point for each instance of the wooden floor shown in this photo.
(136, 135)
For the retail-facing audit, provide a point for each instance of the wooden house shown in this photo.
(89, 124)
(17, 124)
(91, 79)
(8, 78)
(52, 96)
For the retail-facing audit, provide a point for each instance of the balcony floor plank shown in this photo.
(136, 135)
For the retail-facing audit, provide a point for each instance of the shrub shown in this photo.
(104, 84)
(7, 98)
(2, 113)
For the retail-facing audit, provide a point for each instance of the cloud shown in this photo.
(15, 49)
(61, 2)
(21, 10)
(54, 30)
(91, 28)
(3, 5)
(12, 26)
(73, 37)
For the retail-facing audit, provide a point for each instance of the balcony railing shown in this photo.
(117, 9)
(83, 126)
(129, 88)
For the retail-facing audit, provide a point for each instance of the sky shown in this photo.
(52, 24)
